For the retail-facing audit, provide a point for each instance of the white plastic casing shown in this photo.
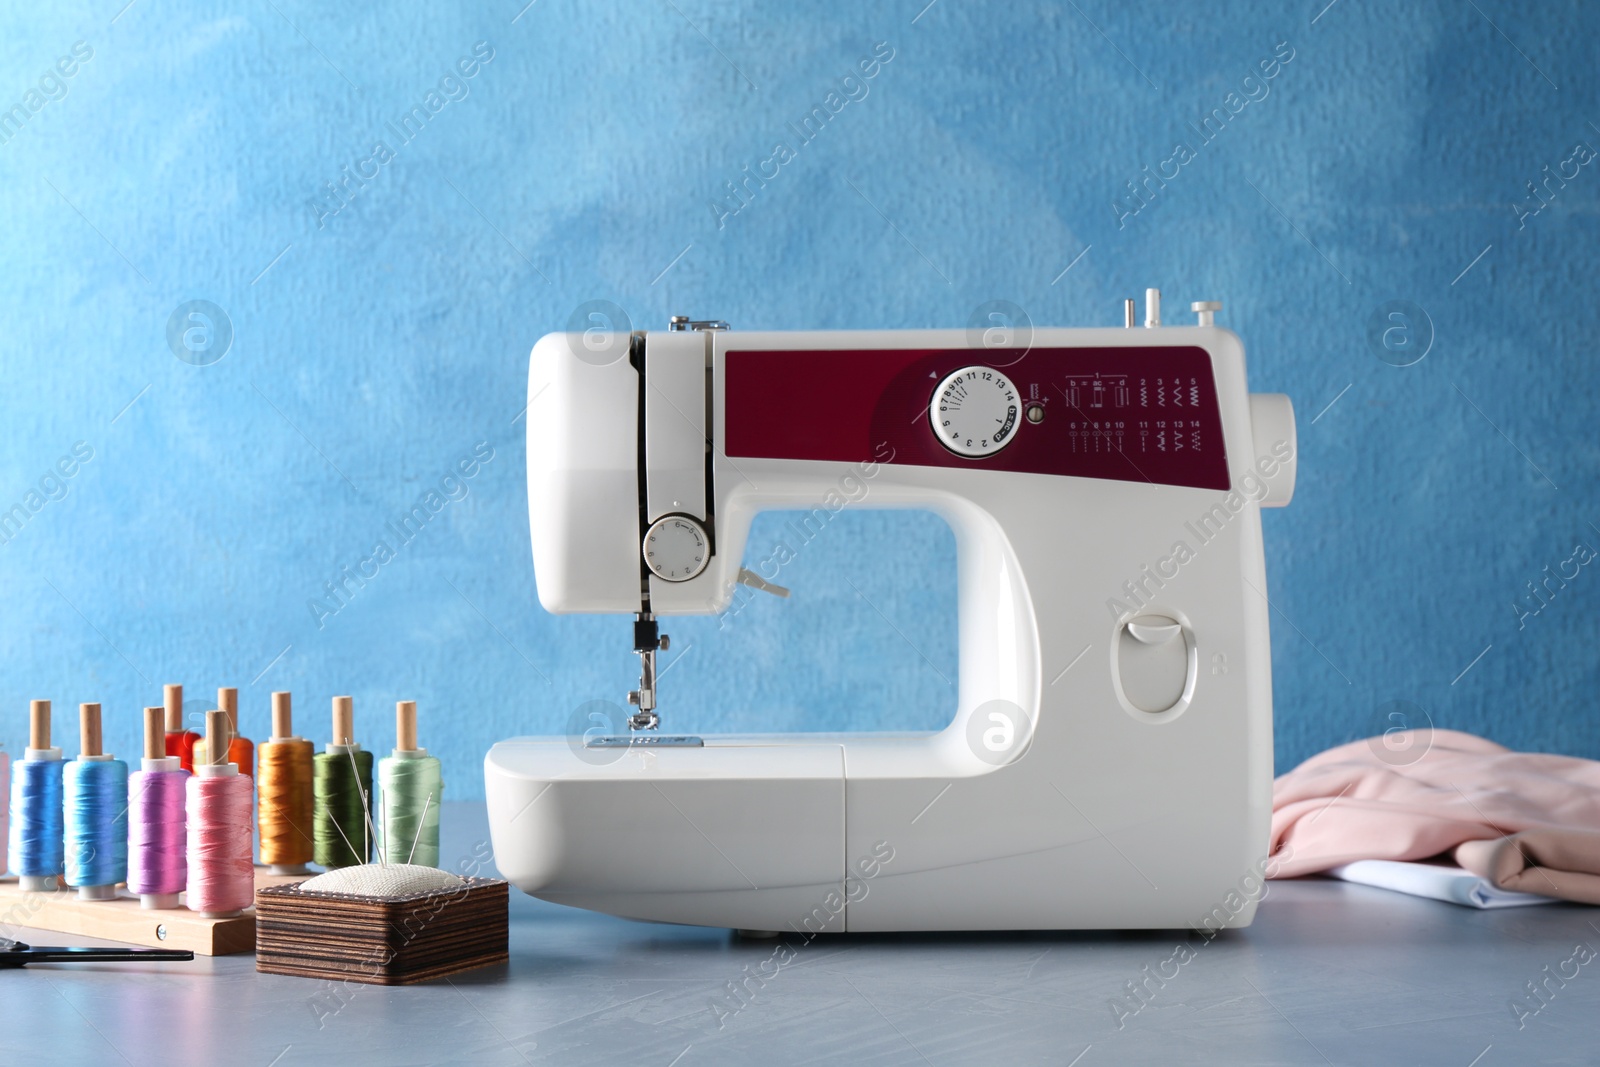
(676, 394)
(1271, 424)
(1110, 816)
(583, 496)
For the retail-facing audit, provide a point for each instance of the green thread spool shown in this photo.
(411, 788)
(412, 783)
(341, 782)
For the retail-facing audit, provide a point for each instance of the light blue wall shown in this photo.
(374, 347)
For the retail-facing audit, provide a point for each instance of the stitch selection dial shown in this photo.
(974, 411)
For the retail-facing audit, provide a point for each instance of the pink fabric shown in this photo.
(1417, 794)
(1554, 863)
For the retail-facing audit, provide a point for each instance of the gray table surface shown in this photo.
(1328, 973)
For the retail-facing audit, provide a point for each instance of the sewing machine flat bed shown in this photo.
(1328, 973)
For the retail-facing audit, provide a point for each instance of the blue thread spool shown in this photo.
(95, 795)
(5, 812)
(35, 844)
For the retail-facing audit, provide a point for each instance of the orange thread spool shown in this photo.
(241, 750)
(285, 794)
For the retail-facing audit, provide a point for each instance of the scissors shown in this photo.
(17, 954)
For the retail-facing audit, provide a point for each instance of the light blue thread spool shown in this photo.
(95, 796)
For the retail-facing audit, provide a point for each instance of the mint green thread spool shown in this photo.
(412, 784)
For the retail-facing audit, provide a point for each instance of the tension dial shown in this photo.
(675, 548)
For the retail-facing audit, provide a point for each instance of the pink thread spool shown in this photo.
(221, 878)
(157, 866)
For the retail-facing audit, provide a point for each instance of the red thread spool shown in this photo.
(180, 742)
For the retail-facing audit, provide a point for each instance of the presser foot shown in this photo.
(647, 641)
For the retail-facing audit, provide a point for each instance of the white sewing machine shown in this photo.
(1110, 760)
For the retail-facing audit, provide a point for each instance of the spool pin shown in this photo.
(405, 727)
(344, 725)
(155, 740)
(172, 698)
(89, 733)
(282, 718)
(218, 733)
(39, 731)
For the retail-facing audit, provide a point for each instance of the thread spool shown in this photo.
(341, 778)
(5, 809)
(221, 879)
(157, 829)
(412, 784)
(35, 841)
(180, 741)
(95, 812)
(284, 791)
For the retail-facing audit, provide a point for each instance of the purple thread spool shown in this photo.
(157, 832)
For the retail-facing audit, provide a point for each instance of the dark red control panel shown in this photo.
(1129, 414)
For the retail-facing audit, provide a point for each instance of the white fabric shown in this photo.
(1436, 881)
(382, 880)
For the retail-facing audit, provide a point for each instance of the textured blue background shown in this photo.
(374, 347)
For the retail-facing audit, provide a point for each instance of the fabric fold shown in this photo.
(1551, 862)
(1437, 881)
(1528, 822)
